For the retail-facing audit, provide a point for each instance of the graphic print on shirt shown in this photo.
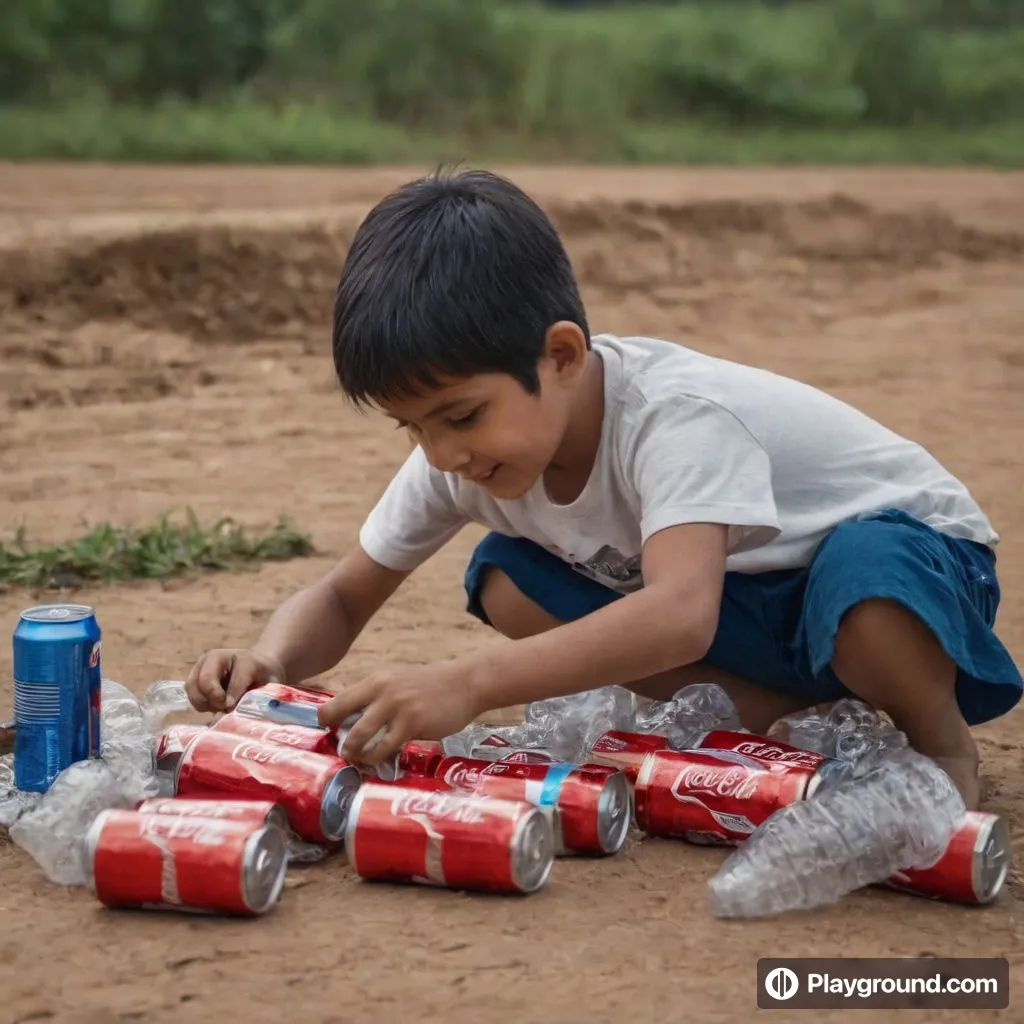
(611, 568)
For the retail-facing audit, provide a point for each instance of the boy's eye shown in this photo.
(461, 422)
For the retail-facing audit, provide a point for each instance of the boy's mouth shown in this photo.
(484, 478)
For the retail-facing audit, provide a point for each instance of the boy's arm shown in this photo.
(313, 630)
(670, 622)
(308, 634)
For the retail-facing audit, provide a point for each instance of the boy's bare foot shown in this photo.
(963, 770)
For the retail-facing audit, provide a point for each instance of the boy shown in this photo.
(659, 517)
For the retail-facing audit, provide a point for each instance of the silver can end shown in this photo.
(614, 813)
(264, 866)
(533, 850)
(992, 856)
(336, 801)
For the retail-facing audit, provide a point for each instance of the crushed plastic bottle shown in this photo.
(850, 731)
(901, 813)
(567, 727)
(164, 697)
(13, 802)
(693, 711)
(52, 827)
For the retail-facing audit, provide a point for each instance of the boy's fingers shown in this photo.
(350, 701)
(364, 740)
(243, 677)
(212, 675)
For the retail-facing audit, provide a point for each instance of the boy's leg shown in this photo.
(515, 615)
(901, 616)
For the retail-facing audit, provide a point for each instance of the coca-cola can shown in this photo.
(592, 803)
(402, 833)
(625, 750)
(314, 789)
(712, 797)
(419, 757)
(174, 862)
(171, 744)
(279, 691)
(773, 753)
(528, 755)
(260, 812)
(973, 868)
(299, 737)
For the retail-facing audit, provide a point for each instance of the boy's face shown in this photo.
(488, 429)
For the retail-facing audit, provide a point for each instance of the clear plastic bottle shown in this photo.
(693, 711)
(900, 813)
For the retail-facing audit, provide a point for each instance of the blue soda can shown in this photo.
(56, 692)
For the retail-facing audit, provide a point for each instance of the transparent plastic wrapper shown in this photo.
(54, 831)
(164, 697)
(53, 828)
(850, 731)
(900, 814)
(13, 802)
(693, 711)
(568, 726)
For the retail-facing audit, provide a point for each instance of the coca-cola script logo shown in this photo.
(201, 831)
(609, 744)
(264, 753)
(770, 752)
(461, 776)
(437, 807)
(729, 782)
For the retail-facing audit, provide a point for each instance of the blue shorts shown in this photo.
(778, 629)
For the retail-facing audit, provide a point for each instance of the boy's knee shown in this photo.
(508, 610)
(866, 624)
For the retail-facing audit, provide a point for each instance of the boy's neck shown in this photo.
(569, 470)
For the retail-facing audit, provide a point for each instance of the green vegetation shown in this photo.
(166, 549)
(351, 81)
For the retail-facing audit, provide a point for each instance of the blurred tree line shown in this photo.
(563, 66)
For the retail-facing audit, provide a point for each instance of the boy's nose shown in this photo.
(448, 458)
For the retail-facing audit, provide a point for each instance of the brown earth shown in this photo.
(163, 343)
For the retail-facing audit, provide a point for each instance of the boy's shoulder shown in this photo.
(641, 371)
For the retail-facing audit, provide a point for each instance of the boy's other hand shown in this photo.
(415, 702)
(220, 677)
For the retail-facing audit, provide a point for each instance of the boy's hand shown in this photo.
(219, 678)
(421, 702)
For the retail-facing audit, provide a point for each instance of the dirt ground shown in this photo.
(163, 343)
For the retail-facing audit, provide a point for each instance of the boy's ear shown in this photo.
(565, 346)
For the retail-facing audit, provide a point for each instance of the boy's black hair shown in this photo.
(453, 274)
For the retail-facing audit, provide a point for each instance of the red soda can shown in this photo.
(171, 744)
(314, 789)
(288, 694)
(772, 752)
(776, 755)
(175, 862)
(299, 737)
(713, 797)
(262, 812)
(625, 750)
(592, 803)
(528, 756)
(419, 757)
(402, 833)
(973, 868)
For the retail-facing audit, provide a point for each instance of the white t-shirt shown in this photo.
(690, 438)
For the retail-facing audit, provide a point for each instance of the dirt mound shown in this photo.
(243, 283)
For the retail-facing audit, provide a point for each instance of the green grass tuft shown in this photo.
(165, 549)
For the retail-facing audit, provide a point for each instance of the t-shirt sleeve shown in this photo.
(414, 518)
(693, 461)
